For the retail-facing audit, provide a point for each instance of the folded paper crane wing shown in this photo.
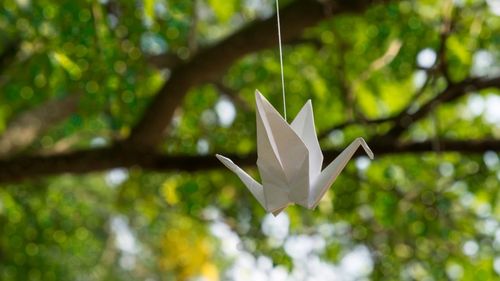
(290, 160)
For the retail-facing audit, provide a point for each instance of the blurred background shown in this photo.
(111, 113)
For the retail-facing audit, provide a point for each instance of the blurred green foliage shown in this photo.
(431, 216)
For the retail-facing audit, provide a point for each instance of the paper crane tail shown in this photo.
(333, 170)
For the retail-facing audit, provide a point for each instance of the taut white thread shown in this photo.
(281, 58)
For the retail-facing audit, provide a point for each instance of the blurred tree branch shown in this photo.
(405, 118)
(167, 60)
(171, 60)
(233, 95)
(102, 159)
(209, 64)
(7, 56)
(452, 92)
(29, 125)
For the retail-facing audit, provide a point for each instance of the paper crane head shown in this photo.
(290, 160)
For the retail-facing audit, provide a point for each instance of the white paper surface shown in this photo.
(290, 160)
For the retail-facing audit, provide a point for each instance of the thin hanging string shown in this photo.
(281, 58)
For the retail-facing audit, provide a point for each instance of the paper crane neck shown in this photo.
(290, 159)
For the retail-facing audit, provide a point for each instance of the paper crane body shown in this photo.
(290, 160)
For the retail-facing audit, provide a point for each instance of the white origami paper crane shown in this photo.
(290, 160)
